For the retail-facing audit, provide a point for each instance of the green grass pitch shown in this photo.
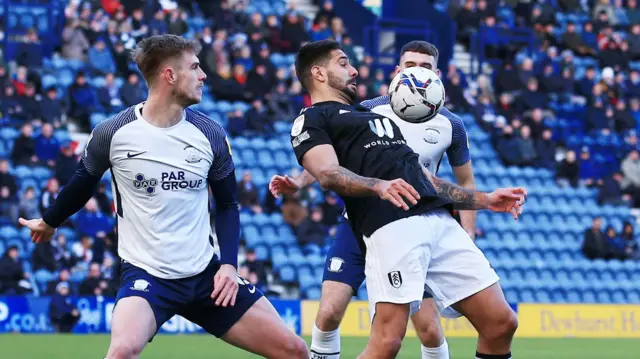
(14, 346)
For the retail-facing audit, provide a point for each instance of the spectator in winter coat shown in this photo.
(62, 312)
(546, 150)
(13, 279)
(568, 171)
(51, 108)
(595, 244)
(100, 59)
(47, 147)
(24, 147)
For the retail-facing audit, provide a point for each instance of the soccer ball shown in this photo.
(416, 94)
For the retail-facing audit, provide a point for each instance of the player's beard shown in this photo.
(343, 88)
(183, 97)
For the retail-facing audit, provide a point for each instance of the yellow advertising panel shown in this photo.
(357, 322)
(583, 321)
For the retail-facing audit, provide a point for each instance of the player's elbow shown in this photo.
(326, 178)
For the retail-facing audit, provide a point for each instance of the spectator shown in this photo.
(63, 277)
(21, 80)
(623, 119)
(49, 194)
(109, 95)
(331, 209)
(10, 105)
(546, 150)
(138, 25)
(258, 81)
(248, 194)
(158, 25)
(74, 41)
(82, 101)
(62, 312)
(568, 171)
(597, 119)
(293, 213)
(13, 279)
(611, 191)
(531, 98)
(51, 108)
(82, 253)
(29, 206)
(91, 222)
(28, 102)
(572, 40)
(94, 284)
(321, 30)
(24, 147)
(66, 164)
(257, 118)
(177, 24)
(594, 245)
(588, 168)
(47, 146)
(225, 86)
(326, 12)
(132, 92)
(293, 33)
(29, 52)
(100, 59)
(280, 105)
(526, 147)
(104, 203)
(630, 246)
(255, 266)
(122, 59)
(312, 230)
(631, 170)
(584, 87)
(8, 193)
(615, 244)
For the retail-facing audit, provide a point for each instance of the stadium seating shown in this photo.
(538, 257)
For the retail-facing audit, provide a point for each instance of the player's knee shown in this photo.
(389, 346)
(329, 317)
(501, 327)
(430, 334)
(124, 351)
(295, 348)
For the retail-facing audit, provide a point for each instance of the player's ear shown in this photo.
(318, 73)
(169, 75)
(397, 71)
(438, 72)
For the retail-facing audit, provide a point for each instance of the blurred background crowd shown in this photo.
(562, 110)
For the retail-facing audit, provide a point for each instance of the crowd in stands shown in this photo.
(578, 71)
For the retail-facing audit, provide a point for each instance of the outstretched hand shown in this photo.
(282, 185)
(507, 200)
(40, 231)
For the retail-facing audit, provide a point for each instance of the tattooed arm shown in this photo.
(322, 163)
(462, 198)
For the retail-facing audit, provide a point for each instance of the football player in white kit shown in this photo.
(163, 158)
(345, 266)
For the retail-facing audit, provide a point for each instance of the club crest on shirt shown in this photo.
(431, 136)
(298, 124)
(193, 156)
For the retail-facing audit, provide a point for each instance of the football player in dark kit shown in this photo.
(398, 209)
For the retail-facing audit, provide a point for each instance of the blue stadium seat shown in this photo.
(287, 274)
(8, 232)
(313, 293)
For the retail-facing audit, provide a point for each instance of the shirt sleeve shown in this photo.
(96, 157)
(458, 152)
(309, 130)
(222, 163)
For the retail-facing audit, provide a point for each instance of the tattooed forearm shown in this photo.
(347, 183)
(461, 198)
(304, 179)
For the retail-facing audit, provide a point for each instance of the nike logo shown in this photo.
(252, 289)
(341, 112)
(130, 155)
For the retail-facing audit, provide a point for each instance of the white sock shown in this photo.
(325, 345)
(441, 352)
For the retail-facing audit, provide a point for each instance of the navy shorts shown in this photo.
(188, 297)
(345, 261)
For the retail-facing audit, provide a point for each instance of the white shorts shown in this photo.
(429, 252)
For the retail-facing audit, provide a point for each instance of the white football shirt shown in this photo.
(431, 139)
(159, 178)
